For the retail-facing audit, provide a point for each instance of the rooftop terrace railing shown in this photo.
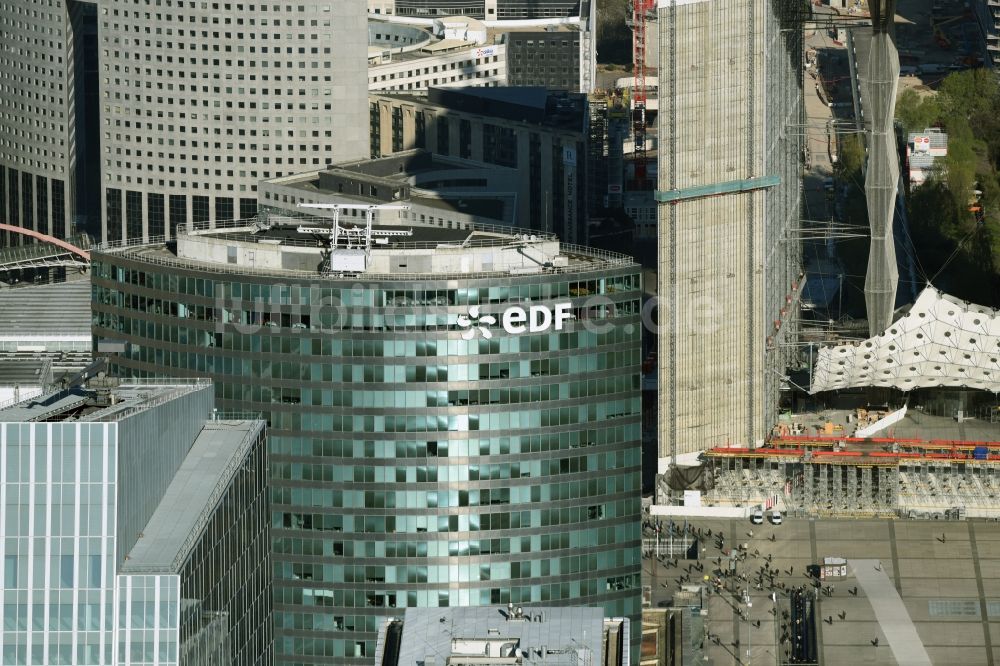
(587, 259)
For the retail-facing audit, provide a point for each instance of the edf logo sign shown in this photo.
(516, 320)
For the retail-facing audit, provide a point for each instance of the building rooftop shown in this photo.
(192, 495)
(941, 341)
(103, 400)
(45, 312)
(533, 105)
(25, 372)
(495, 36)
(299, 246)
(529, 104)
(938, 139)
(540, 636)
(389, 179)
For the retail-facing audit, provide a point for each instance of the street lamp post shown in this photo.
(749, 603)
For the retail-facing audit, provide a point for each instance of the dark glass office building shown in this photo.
(453, 414)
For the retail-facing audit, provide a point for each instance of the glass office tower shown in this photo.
(133, 530)
(453, 421)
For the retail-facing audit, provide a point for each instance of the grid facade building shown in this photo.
(526, 144)
(463, 66)
(549, 59)
(86, 480)
(129, 118)
(414, 462)
(730, 96)
(199, 101)
(38, 114)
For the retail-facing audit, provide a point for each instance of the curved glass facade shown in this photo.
(411, 466)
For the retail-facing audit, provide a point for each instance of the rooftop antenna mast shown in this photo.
(369, 210)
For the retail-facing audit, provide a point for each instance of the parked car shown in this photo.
(757, 516)
(775, 517)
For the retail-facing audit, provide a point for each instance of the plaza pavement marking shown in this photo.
(890, 613)
(814, 553)
(895, 556)
(984, 611)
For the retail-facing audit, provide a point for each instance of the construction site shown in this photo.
(761, 401)
(819, 475)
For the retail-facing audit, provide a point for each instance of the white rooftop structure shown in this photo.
(565, 636)
(461, 28)
(941, 341)
(922, 149)
(932, 140)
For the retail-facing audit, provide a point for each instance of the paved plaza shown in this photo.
(916, 592)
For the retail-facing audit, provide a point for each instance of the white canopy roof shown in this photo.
(941, 341)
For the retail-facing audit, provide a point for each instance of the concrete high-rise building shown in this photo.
(428, 446)
(135, 529)
(46, 93)
(730, 113)
(172, 113)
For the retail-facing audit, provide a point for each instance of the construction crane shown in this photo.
(641, 11)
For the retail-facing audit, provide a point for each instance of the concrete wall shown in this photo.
(480, 66)
(724, 268)
(222, 115)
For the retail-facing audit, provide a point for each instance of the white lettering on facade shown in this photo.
(513, 320)
(536, 319)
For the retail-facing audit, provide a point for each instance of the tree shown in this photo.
(944, 230)
(852, 157)
(970, 93)
(614, 38)
(915, 112)
(961, 161)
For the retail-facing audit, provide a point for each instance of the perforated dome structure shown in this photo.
(942, 341)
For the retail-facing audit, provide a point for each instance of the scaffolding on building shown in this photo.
(854, 477)
(609, 127)
(643, 12)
